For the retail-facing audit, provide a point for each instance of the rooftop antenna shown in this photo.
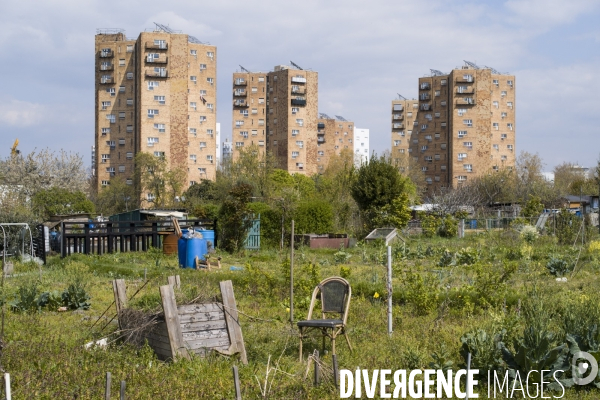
(340, 118)
(435, 72)
(244, 69)
(470, 64)
(295, 65)
(401, 97)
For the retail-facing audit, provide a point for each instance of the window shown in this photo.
(437, 92)
(424, 169)
(152, 57)
(122, 115)
(503, 115)
(415, 105)
(151, 141)
(244, 134)
(150, 197)
(496, 147)
(239, 144)
(129, 102)
(105, 105)
(194, 52)
(510, 126)
(462, 156)
(423, 148)
(261, 78)
(129, 48)
(105, 131)
(462, 178)
(261, 100)
(443, 146)
(295, 132)
(254, 111)
(509, 104)
(203, 119)
(503, 158)
(321, 153)
(111, 91)
(437, 157)
(429, 158)
(401, 133)
(202, 170)
(509, 147)
(503, 136)
(496, 104)
(211, 106)
(254, 132)
(202, 67)
(503, 93)
(203, 93)
(129, 155)
(209, 132)
(295, 110)
(443, 82)
(509, 83)
(275, 120)
(210, 80)
(468, 167)
(202, 145)
(300, 143)
(468, 78)
(300, 165)
(443, 103)
(300, 122)
(193, 131)
(437, 114)
(161, 44)
(105, 183)
(105, 79)
(210, 54)
(239, 123)
(105, 157)
(152, 113)
(111, 117)
(111, 144)
(193, 79)
(295, 154)
(193, 157)
(151, 85)
(397, 142)
(121, 142)
(468, 122)
(496, 82)
(130, 75)
(193, 105)
(160, 127)
(160, 99)
(121, 89)
(261, 122)
(462, 134)
(468, 144)
(121, 168)
(495, 125)
(400, 150)
(159, 154)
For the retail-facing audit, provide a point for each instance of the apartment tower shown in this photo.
(465, 126)
(333, 136)
(404, 117)
(278, 111)
(154, 94)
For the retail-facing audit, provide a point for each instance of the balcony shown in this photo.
(424, 96)
(398, 117)
(398, 107)
(321, 125)
(298, 102)
(298, 79)
(320, 139)
(298, 91)
(157, 74)
(240, 103)
(106, 80)
(239, 92)
(467, 90)
(465, 78)
(240, 82)
(425, 86)
(398, 126)
(106, 54)
(465, 101)
(153, 60)
(425, 107)
(107, 67)
(160, 46)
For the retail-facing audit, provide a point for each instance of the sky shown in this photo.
(366, 52)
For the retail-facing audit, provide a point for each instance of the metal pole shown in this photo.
(389, 288)
(292, 277)
(7, 393)
(468, 368)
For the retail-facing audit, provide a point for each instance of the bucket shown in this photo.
(181, 249)
(209, 235)
(195, 247)
(170, 244)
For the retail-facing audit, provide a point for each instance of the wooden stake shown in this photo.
(336, 373)
(107, 387)
(232, 319)
(468, 368)
(120, 294)
(172, 321)
(236, 382)
(317, 372)
(122, 393)
(389, 288)
(7, 386)
(174, 281)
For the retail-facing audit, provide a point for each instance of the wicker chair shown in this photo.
(335, 299)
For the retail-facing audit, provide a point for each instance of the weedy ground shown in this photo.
(443, 289)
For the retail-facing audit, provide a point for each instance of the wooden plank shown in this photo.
(172, 321)
(202, 317)
(174, 281)
(208, 343)
(202, 335)
(203, 326)
(120, 293)
(198, 308)
(231, 317)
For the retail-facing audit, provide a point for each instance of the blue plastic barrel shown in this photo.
(195, 248)
(209, 235)
(473, 224)
(181, 251)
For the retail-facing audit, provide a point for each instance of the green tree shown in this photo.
(158, 183)
(395, 215)
(234, 217)
(314, 216)
(533, 207)
(56, 201)
(116, 197)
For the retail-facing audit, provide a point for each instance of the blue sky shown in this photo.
(365, 53)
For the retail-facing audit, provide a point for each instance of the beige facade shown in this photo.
(286, 104)
(249, 111)
(333, 135)
(465, 126)
(404, 116)
(155, 94)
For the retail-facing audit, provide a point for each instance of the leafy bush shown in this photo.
(529, 233)
(448, 226)
(314, 216)
(75, 297)
(485, 349)
(422, 291)
(467, 256)
(345, 271)
(429, 225)
(447, 259)
(27, 298)
(558, 267)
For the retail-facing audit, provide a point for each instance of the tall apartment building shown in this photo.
(278, 111)
(361, 146)
(333, 136)
(465, 125)
(404, 118)
(155, 94)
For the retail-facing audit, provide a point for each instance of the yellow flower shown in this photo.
(376, 295)
(287, 309)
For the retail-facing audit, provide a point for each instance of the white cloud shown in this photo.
(17, 113)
